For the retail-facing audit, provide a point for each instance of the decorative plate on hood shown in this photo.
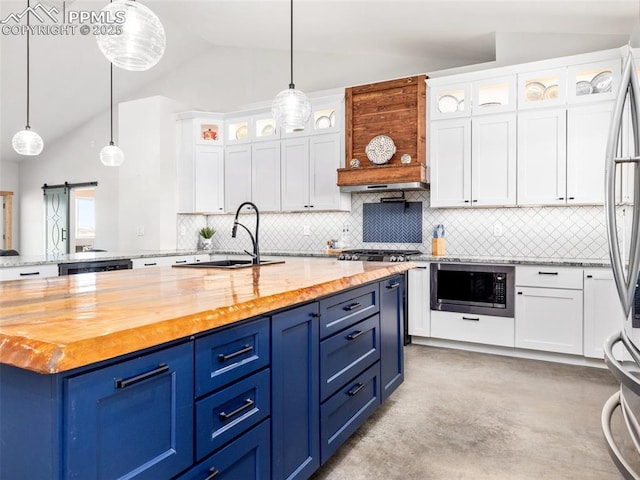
(380, 149)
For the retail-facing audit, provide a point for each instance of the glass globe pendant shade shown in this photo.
(291, 109)
(111, 155)
(142, 41)
(27, 142)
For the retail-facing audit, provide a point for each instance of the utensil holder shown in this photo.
(437, 247)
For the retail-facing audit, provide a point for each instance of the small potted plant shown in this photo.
(206, 238)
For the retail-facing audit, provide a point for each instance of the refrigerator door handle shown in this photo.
(625, 284)
(622, 375)
(607, 412)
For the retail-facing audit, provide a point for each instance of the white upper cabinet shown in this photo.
(238, 130)
(265, 175)
(200, 163)
(450, 162)
(237, 176)
(544, 88)
(327, 115)
(252, 173)
(596, 81)
(473, 161)
(493, 160)
(450, 101)
(587, 134)
(309, 174)
(542, 157)
(494, 95)
(264, 127)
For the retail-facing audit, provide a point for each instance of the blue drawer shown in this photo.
(346, 354)
(225, 356)
(247, 458)
(343, 413)
(343, 310)
(227, 413)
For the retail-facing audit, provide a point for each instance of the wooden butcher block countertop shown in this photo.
(56, 324)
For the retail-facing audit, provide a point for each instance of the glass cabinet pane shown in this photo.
(451, 101)
(238, 131)
(594, 81)
(265, 128)
(323, 119)
(542, 89)
(209, 132)
(494, 95)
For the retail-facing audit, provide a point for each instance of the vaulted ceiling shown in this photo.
(336, 42)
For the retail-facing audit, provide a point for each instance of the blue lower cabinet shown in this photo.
(295, 405)
(227, 413)
(391, 334)
(345, 354)
(246, 458)
(344, 412)
(133, 419)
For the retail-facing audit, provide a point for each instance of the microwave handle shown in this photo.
(625, 285)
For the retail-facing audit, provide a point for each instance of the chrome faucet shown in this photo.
(255, 256)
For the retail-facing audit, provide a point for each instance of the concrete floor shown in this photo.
(463, 415)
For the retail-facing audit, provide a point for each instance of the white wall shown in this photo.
(10, 182)
(147, 179)
(74, 159)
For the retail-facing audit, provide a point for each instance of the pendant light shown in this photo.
(141, 43)
(27, 142)
(291, 108)
(111, 155)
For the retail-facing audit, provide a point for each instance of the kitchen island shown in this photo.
(181, 373)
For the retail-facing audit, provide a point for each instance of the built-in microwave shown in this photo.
(475, 289)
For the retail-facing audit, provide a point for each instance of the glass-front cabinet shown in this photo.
(238, 130)
(327, 115)
(547, 88)
(264, 127)
(208, 128)
(494, 95)
(594, 81)
(450, 101)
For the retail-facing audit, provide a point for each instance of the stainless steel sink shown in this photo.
(228, 264)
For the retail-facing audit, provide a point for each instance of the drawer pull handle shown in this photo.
(248, 403)
(352, 307)
(476, 319)
(393, 285)
(354, 391)
(150, 264)
(213, 473)
(547, 273)
(127, 382)
(589, 276)
(354, 335)
(181, 261)
(26, 274)
(223, 358)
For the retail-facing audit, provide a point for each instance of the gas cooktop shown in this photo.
(367, 255)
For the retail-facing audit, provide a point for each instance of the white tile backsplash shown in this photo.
(553, 232)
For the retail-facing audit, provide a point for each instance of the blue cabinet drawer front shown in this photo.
(343, 310)
(133, 418)
(246, 458)
(343, 413)
(227, 413)
(225, 356)
(348, 353)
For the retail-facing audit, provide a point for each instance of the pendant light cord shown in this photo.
(111, 99)
(291, 85)
(28, 15)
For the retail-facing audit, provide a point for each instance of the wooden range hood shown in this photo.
(396, 108)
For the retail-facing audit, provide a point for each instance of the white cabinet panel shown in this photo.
(265, 176)
(450, 162)
(603, 314)
(237, 176)
(32, 271)
(542, 157)
(549, 319)
(549, 276)
(493, 160)
(483, 329)
(418, 301)
(587, 132)
(209, 179)
(324, 161)
(295, 174)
